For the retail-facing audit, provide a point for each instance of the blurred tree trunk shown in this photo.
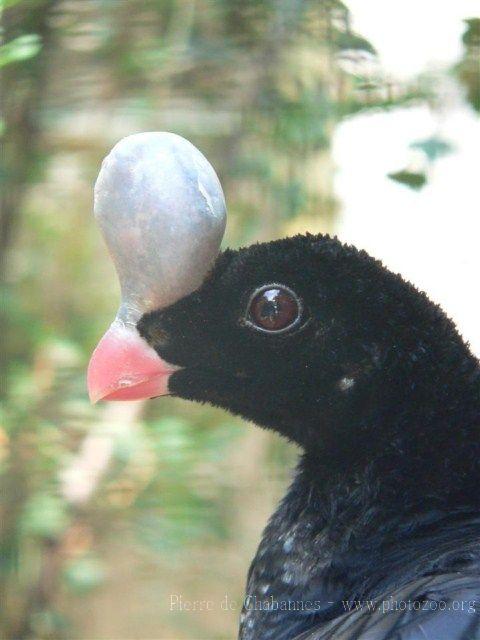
(22, 92)
(22, 89)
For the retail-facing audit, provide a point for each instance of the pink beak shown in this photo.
(124, 367)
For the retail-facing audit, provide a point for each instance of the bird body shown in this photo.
(385, 497)
(378, 536)
(313, 579)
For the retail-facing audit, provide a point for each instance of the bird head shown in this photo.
(302, 335)
(291, 334)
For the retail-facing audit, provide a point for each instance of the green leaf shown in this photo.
(351, 41)
(433, 147)
(413, 179)
(471, 37)
(84, 574)
(21, 48)
(6, 4)
(45, 515)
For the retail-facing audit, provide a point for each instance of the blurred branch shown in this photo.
(23, 82)
(78, 484)
(81, 478)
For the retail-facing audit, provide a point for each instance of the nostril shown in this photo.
(159, 335)
(154, 334)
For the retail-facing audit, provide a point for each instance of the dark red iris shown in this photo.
(274, 309)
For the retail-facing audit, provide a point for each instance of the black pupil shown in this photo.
(274, 309)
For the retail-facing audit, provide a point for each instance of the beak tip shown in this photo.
(95, 391)
(94, 396)
(124, 367)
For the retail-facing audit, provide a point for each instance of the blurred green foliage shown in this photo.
(468, 69)
(412, 179)
(21, 48)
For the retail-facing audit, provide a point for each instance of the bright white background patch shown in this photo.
(431, 236)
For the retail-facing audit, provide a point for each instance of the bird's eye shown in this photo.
(273, 309)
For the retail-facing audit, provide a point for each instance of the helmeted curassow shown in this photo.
(378, 536)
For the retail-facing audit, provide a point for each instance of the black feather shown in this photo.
(382, 394)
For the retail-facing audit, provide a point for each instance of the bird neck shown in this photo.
(410, 429)
(390, 471)
(333, 538)
(412, 463)
(415, 459)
